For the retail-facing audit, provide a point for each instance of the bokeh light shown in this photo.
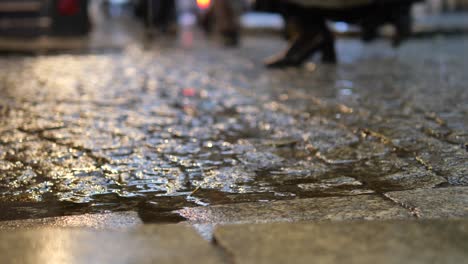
(203, 4)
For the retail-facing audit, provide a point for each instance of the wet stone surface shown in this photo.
(148, 244)
(119, 220)
(434, 203)
(361, 207)
(160, 129)
(349, 242)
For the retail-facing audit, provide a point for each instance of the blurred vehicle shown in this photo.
(69, 17)
(32, 18)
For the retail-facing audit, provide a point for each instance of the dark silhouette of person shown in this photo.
(314, 36)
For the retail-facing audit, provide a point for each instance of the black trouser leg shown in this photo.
(401, 19)
(328, 49)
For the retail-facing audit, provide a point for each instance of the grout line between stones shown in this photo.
(414, 211)
(224, 252)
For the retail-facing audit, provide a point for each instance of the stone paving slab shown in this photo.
(149, 244)
(435, 203)
(347, 242)
(369, 207)
(95, 221)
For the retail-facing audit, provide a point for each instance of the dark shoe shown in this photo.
(299, 51)
(281, 61)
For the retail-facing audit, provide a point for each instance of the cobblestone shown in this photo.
(434, 203)
(207, 126)
(362, 207)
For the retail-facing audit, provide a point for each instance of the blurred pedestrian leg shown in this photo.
(160, 15)
(166, 16)
(227, 18)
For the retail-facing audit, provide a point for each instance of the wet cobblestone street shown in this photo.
(175, 132)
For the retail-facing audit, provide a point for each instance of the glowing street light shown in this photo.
(203, 4)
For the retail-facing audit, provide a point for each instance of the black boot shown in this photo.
(314, 36)
(304, 45)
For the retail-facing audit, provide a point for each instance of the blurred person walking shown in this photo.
(314, 36)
